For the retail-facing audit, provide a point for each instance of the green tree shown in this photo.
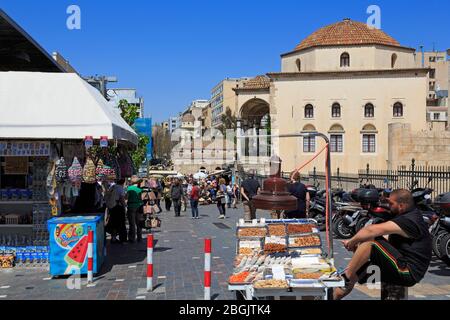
(130, 113)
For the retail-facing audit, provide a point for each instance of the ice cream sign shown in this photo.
(67, 234)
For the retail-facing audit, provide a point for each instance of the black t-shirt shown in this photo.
(298, 190)
(416, 249)
(250, 187)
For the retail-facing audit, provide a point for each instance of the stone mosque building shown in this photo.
(354, 83)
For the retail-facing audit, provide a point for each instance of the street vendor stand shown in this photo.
(274, 262)
(46, 120)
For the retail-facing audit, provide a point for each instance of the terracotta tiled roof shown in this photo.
(259, 82)
(347, 32)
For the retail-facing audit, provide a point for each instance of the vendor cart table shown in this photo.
(318, 289)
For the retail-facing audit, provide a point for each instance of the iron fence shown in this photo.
(402, 178)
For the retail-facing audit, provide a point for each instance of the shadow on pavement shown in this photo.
(443, 268)
(124, 254)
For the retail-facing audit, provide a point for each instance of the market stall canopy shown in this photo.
(36, 105)
(200, 175)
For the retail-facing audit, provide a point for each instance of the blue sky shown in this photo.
(175, 51)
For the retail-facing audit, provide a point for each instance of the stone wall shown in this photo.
(427, 147)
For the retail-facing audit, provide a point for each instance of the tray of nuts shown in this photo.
(277, 230)
(274, 248)
(305, 241)
(251, 232)
(299, 229)
(249, 247)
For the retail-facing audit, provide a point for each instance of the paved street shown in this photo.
(178, 263)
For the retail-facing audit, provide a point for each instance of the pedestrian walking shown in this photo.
(166, 195)
(194, 197)
(249, 188)
(229, 197)
(235, 195)
(134, 212)
(220, 198)
(115, 204)
(176, 193)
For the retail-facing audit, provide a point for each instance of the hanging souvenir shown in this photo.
(100, 171)
(75, 171)
(89, 171)
(61, 171)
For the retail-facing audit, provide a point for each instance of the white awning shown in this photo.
(36, 105)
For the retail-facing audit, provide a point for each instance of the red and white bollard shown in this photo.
(207, 269)
(90, 256)
(150, 262)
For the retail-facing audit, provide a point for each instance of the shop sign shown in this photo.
(103, 142)
(88, 142)
(24, 148)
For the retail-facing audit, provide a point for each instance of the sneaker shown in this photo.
(222, 217)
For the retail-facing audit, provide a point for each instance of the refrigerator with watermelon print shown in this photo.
(69, 244)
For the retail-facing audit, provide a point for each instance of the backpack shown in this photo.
(61, 171)
(176, 192)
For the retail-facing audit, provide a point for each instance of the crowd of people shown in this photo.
(136, 200)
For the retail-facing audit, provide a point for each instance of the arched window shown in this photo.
(336, 110)
(398, 110)
(309, 143)
(298, 62)
(369, 111)
(393, 60)
(309, 111)
(337, 138)
(345, 60)
(369, 135)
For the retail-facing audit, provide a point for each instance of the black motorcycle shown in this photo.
(440, 230)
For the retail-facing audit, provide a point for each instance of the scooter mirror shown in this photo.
(430, 179)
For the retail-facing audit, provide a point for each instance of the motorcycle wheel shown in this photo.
(341, 230)
(320, 218)
(361, 224)
(444, 247)
(436, 243)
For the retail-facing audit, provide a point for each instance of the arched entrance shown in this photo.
(255, 121)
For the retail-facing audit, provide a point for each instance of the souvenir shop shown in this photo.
(49, 166)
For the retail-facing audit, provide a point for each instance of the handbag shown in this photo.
(155, 222)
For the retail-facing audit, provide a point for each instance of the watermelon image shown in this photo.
(77, 255)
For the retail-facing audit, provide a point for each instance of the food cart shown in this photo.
(285, 258)
(281, 258)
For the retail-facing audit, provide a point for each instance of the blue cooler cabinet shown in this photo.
(69, 243)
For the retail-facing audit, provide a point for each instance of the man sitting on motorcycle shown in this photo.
(401, 247)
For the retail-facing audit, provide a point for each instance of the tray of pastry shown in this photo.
(305, 241)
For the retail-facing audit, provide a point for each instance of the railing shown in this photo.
(402, 178)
